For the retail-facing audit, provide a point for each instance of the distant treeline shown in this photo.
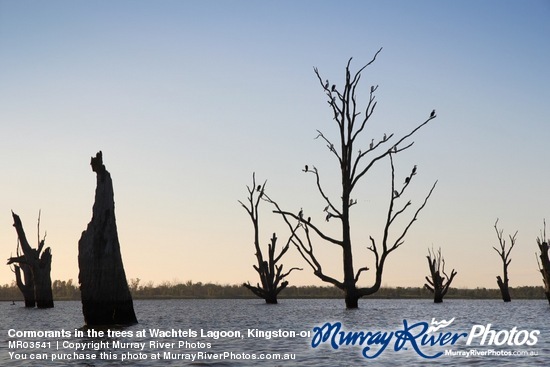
(67, 290)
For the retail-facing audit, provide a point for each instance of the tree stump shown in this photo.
(36, 265)
(106, 298)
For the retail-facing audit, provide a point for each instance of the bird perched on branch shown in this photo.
(432, 114)
(333, 88)
(259, 188)
(414, 170)
(306, 168)
(301, 213)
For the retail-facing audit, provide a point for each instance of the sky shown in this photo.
(187, 99)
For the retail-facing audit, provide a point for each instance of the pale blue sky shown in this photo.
(188, 98)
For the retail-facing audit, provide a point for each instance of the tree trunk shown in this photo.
(504, 291)
(106, 298)
(352, 298)
(26, 288)
(544, 266)
(438, 295)
(43, 281)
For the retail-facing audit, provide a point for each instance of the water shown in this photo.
(291, 315)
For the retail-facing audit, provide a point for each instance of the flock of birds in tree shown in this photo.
(353, 202)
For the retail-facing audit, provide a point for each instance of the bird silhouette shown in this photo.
(306, 168)
(333, 88)
(259, 188)
(432, 114)
(326, 84)
(308, 219)
(414, 170)
(301, 213)
(407, 179)
(395, 194)
(328, 217)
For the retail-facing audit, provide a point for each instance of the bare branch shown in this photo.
(317, 230)
(359, 273)
(321, 191)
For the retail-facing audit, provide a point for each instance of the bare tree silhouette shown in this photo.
(271, 274)
(36, 266)
(354, 164)
(438, 284)
(504, 254)
(106, 298)
(544, 264)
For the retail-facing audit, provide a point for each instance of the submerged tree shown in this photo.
(355, 159)
(36, 266)
(438, 284)
(544, 264)
(106, 298)
(504, 254)
(271, 274)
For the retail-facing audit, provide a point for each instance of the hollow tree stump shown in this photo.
(106, 298)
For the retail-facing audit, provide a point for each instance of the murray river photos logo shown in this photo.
(421, 337)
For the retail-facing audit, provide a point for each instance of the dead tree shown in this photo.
(356, 158)
(505, 257)
(271, 274)
(438, 284)
(106, 298)
(544, 263)
(36, 266)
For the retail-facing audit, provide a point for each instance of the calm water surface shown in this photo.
(234, 316)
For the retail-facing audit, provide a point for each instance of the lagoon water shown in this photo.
(214, 318)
